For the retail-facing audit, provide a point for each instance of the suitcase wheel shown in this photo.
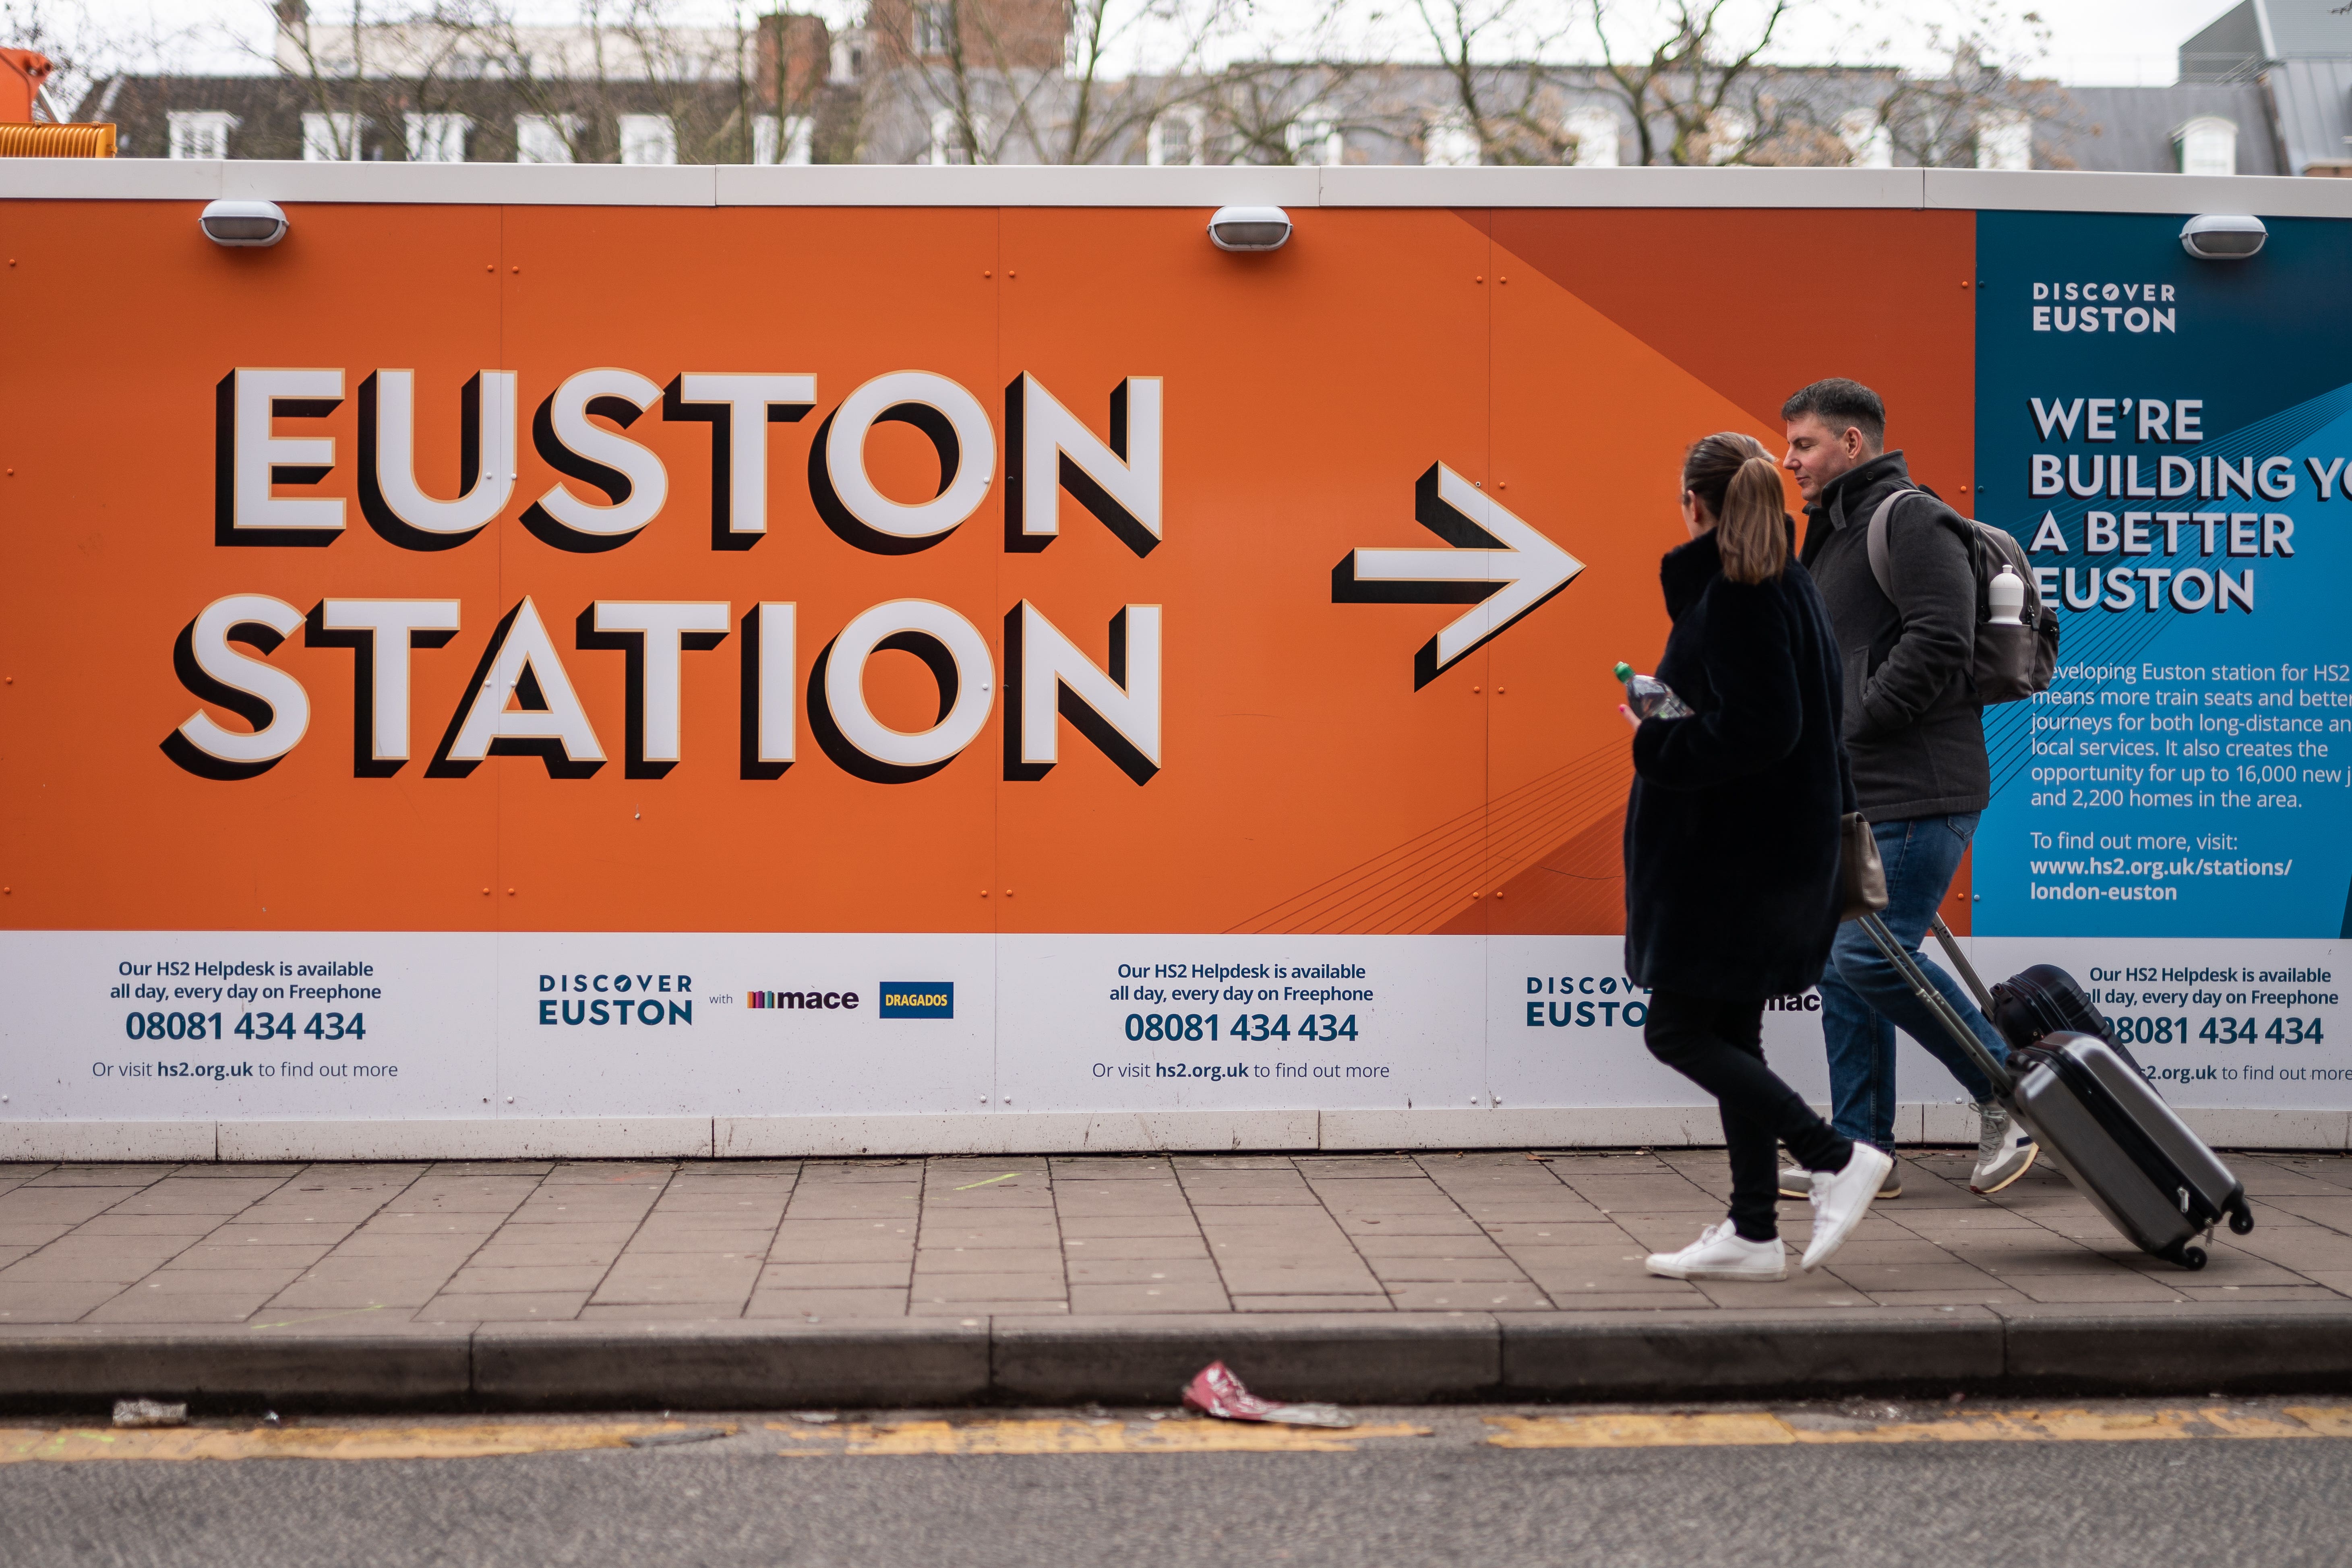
(2193, 1258)
(2242, 1219)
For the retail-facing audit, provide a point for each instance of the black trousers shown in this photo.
(1719, 1045)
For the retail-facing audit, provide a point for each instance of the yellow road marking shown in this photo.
(1080, 1438)
(990, 1182)
(2328, 1421)
(1761, 1428)
(1637, 1431)
(473, 1441)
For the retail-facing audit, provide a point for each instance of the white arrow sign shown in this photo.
(1498, 563)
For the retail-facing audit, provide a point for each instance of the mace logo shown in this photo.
(918, 998)
(812, 999)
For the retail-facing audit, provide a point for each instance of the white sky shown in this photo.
(2090, 42)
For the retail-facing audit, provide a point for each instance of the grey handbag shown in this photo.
(1861, 875)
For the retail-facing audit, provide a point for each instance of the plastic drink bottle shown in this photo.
(1649, 697)
(2005, 597)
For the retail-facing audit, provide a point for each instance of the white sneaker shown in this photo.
(1721, 1253)
(2004, 1150)
(1841, 1198)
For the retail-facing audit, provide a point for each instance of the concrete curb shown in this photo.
(1724, 1355)
(1361, 1358)
(334, 1367)
(2280, 1346)
(731, 1363)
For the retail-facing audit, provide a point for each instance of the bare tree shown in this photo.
(1983, 109)
(86, 51)
(571, 98)
(1270, 111)
(368, 71)
(1513, 112)
(1694, 82)
(1691, 96)
(1041, 80)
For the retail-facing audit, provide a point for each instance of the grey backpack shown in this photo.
(2011, 663)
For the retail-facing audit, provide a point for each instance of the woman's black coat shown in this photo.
(1731, 836)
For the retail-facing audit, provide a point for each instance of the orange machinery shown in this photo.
(22, 72)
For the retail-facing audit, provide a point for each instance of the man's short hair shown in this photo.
(1840, 403)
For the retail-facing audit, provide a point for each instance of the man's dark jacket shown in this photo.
(1731, 834)
(1912, 726)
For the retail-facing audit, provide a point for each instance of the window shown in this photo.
(201, 134)
(332, 137)
(1594, 130)
(849, 62)
(1178, 136)
(545, 138)
(648, 139)
(2209, 145)
(1315, 138)
(2004, 140)
(437, 138)
(934, 26)
(791, 139)
(1449, 142)
(1868, 144)
(947, 143)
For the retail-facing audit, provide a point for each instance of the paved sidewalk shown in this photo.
(1098, 1238)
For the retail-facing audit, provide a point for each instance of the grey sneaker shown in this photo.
(2004, 1150)
(1798, 1182)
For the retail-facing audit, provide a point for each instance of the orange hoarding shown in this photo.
(1216, 718)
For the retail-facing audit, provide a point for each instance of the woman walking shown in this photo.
(1731, 851)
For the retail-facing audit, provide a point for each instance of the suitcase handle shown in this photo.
(2004, 1082)
(1951, 947)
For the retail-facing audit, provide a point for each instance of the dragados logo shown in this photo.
(918, 998)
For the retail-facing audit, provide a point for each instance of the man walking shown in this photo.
(1915, 733)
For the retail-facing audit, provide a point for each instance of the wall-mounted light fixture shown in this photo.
(1249, 228)
(2222, 237)
(243, 223)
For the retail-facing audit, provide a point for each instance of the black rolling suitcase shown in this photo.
(2035, 1003)
(2087, 1105)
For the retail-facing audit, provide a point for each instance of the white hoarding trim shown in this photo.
(1009, 1132)
(2043, 190)
(474, 185)
(850, 1137)
(865, 186)
(1404, 185)
(76, 1141)
(488, 1138)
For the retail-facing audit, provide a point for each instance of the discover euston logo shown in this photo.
(616, 1000)
(2080, 307)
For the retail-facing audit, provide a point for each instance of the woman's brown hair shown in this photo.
(1741, 486)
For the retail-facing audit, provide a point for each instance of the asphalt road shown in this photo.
(1446, 1499)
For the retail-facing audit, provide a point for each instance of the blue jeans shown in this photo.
(1864, 999)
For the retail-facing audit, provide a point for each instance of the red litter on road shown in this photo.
(1215, 1391)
